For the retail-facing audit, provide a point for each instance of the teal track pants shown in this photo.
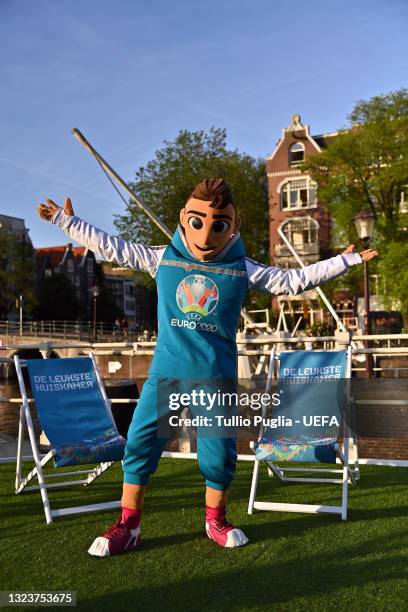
(216, 455)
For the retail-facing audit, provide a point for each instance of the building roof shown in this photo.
(323, 140)
(320, 141)
(79, 253)
(55, 254)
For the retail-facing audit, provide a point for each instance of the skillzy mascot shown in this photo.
(202, 277)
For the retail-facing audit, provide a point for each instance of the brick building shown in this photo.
(77, 263)
(15, 226)
(137, 302)
(296, 210)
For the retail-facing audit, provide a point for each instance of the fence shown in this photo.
(70, 330)
(253, 354)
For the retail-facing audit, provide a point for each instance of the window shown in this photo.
(301, 232)
(90, 266)
(300, 193)
(70, 265)
(296, 153)
(48, 272)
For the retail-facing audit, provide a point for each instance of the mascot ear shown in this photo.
(181, 216)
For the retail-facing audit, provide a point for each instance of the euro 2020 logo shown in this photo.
(197, 296)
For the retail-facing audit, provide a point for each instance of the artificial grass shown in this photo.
(293, 561)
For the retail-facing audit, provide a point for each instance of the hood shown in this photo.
(232, 250)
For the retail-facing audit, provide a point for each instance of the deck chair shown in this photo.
(75, 414)
(308, 392)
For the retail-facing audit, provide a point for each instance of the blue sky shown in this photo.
(131, 73)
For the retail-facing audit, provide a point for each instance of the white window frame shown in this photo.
(309, 185)
(313, 226)
(298, 161)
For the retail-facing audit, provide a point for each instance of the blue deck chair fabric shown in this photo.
(72, 411)
(309, 418)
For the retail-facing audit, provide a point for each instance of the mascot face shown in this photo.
(208, 229)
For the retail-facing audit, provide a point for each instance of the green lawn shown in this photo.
(293, 561)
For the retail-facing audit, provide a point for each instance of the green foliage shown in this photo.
(57, 300)
(17, 275)
(167, 180)
(366, 166)
(392, 267)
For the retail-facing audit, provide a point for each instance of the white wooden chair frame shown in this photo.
(40, 461)
(349, 471)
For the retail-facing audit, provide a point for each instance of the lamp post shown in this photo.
(95, 293)
(364, 222)
(19, 305)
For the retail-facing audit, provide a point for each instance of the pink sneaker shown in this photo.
(119, 538)
(222, 531)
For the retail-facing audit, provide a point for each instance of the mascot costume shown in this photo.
(202, 278)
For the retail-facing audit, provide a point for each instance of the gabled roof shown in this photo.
(56, 254)
(295, 126)
(80, 254)
(42, 262)
(321, 141)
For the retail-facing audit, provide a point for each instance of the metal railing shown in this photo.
(70, 330)
(387, 345)
(260, 348)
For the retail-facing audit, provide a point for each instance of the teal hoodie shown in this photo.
(199, 304)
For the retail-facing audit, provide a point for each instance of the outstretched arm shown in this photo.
(109, 248)
(278, 281)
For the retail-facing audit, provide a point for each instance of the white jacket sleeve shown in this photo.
(110, 248)
(279, 281)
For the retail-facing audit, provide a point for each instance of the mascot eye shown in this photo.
(220, 226)
(195, 223)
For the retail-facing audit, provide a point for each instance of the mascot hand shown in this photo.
(47, 211)
(365, 255)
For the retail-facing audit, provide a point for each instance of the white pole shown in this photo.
(33, 441)
(137, 199)
(21, 315)
(19, 447)
(319, 291)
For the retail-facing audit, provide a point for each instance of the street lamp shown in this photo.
(364, 222)
(19, 306)
(95, 293)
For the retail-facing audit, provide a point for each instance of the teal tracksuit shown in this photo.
(198, 313)
(199, 307)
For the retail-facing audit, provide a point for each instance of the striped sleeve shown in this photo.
(278, 281)
(110, 248)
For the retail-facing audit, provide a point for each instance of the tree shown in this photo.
(366, 167)
(392, 268)
(168, 179)
(17, 276)
(166, 182)
(57, 300)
